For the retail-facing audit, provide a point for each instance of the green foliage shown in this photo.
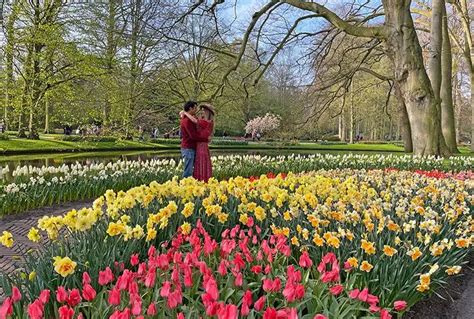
(4, 137)
(78, 138)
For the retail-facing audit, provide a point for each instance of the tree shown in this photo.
(466, 46)
(403, 50)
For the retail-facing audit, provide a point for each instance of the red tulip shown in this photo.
(151, 311)
(114, 297)
(336, 290)
(270, 313)
(228, 312)
(61, 294)
(239, 280)
(16, 294)
(180, 316)
(105, 276)
(134, 260)
(400, 305)
(136, 302)
(35, 310)
(175, 298)
(65, 312)
(320, 317)
(363, 295)
(260, 303)
(86, 279)
(256, 269)
(74, 297)
(44, 296)
(305, 261)
(165, 289)
(88, 292)
(384, 314)
(354, 293)
(7, 308)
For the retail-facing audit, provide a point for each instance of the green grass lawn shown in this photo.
(51, 143)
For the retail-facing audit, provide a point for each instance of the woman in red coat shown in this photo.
(205, 126)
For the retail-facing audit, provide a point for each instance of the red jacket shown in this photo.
(189, 134)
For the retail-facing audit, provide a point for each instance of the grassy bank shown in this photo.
(53, 144)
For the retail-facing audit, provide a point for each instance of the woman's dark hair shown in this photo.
(189, 105)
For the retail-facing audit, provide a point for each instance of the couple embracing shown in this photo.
(197, 123)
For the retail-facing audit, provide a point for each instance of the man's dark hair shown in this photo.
(189, 105)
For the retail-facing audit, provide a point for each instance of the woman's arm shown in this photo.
(189, 116)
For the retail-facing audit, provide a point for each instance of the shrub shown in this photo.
(78, 138)
(165, 141)
(4, 137)
(228, 142)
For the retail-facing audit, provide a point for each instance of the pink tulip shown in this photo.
(88, 292)
(65, 312)
(134, 260)
(399, 305)
(114, 297)
(336, 290)
(86, 279)
(305, 261)
(7, 308)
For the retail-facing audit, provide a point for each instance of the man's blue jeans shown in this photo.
(188, 156)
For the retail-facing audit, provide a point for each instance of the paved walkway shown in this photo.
(19, 225)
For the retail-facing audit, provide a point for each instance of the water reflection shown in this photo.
(103, 157)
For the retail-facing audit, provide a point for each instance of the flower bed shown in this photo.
(397, 233)
(29, 187)
(249, 274)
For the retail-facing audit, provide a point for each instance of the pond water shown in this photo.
(87, 158)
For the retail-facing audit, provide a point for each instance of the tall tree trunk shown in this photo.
(472, 111)
(422, 106)
(404, 122)
(136, 12)
(46, 115)
(446, 91)
(458, 106)
(351, 115)
(9, 48)
(110, 52)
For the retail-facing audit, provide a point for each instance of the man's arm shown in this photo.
(191, 130)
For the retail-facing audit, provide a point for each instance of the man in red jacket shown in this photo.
(188, 139)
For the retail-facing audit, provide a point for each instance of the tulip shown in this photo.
(151, 311)
(35, 309)
(16, 294)
(74, 297)
(399, 305)
(88, 292)
(86, 279)
(105, 276)
(61, 294)
(44, 296)
(336, 290)
(260, 303)
(114, 297)
(305, 261)
(65, 312)
(384, 314)
(7, 308)
(134, 260)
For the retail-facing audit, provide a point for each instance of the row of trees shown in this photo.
(381, 70)
(420, 77)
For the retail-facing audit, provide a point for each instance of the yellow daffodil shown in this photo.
(64, 266)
